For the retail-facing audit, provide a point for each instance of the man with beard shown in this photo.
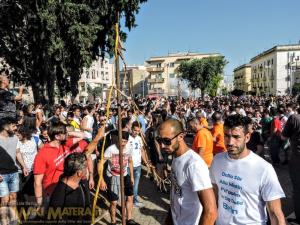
(9, 177)
(244, 183)
(192, 198)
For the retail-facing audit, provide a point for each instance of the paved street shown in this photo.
(156, 205)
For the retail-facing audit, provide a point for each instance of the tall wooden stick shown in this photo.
(117, 65)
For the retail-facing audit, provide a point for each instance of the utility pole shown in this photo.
(117, 65)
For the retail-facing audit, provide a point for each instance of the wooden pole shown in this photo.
(117, 65)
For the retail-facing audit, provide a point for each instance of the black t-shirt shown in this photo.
(54, 120)
(72, 201)
(254, 141)
(7, 104)
(7, 164)
(292, 130)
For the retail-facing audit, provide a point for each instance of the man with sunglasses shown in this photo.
(192, 197)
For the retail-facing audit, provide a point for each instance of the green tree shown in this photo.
(204, 73)
(296, 89)
(48, 43)
(95, 92)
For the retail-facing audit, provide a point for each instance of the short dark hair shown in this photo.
(55, 129)
(216, 116)
(281, 109)
(89, 108)
(124, 122)
(6, 121)
(238, 120)
(73, 163)
(25, 131)
(115, 133)
(56, 107)
(135, 124)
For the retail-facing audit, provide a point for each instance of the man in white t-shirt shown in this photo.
(244, 183)
(111, 181)
(88, 122)
(192, 198)
(135, 143)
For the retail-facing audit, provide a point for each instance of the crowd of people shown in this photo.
(225, 174)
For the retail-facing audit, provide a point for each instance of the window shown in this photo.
(171, 65)
(272, 61)
(173, 86)
(97, 74)
(158, 65)
(159, 76)
(93, 74)
(87, 75)
(171, 75)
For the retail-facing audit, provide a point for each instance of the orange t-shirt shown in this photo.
(204, 139)
(218, 136)
(203, 122)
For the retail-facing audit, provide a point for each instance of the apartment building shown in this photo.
(100, 74)
(136, 77)
(273, 72)
(163, 77)
(242, 78)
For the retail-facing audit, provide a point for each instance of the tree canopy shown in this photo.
(48, 43)
(205, 73)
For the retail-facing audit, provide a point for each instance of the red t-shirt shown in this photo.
(49, 161)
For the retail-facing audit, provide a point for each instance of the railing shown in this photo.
(156, 91)
(155, 69)
(156, 80)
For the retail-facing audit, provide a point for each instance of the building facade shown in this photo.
(135, 77)
(272, 71)
(163, 77)
(100, 74)
(242, 78)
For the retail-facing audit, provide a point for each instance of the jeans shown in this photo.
(137, 175)
(9, 184)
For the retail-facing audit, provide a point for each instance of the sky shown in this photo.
(237, 29)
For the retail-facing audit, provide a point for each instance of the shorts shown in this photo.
(128, 188)
(9, 184)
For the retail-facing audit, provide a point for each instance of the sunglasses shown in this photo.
(166, 141)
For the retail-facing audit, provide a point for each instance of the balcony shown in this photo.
(156, 80)
(155, 91)
(155, 69)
